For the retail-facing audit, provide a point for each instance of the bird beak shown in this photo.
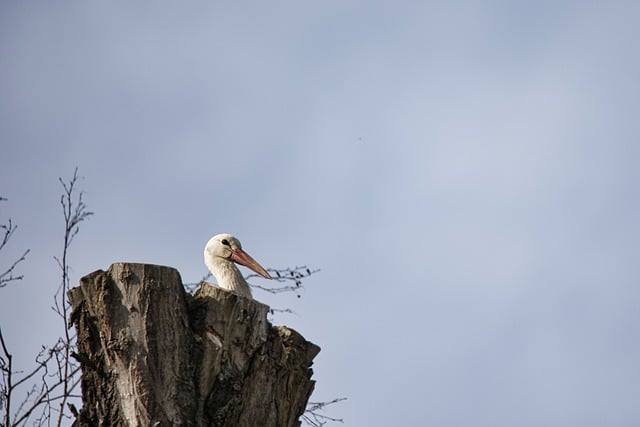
(243, 258)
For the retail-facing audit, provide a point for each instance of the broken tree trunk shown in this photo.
(153, 355)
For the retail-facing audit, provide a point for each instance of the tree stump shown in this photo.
(153, 355)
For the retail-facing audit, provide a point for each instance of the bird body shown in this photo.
(221, 253)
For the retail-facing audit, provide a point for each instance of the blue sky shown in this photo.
(464, 173)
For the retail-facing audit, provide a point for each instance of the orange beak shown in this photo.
(243, 258)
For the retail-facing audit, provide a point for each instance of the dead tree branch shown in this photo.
(49, 385)
(6, 366)
(292, 276)
(74, 211)
(312, 417)
(7, 231)
(7, 276)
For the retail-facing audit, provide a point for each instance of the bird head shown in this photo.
(226, 247)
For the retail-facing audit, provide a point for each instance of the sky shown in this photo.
(463, 173)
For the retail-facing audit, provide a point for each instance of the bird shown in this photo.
(221, 253)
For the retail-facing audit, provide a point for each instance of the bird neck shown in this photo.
(229, 277)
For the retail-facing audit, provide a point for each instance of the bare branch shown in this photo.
(40, 393)
(7, 372)
(55, 374)
(312, 417)
(294, 276)
(281, 310)
(41, 366)
(74, 212)
(4, 280)
(7, 230)
(43, 396)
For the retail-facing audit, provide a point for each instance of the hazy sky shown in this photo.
(465, 174)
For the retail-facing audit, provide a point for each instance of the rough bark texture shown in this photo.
(152, 355)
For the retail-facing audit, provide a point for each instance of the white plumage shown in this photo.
(220, 255)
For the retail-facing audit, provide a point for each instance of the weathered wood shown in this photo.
(152, 355)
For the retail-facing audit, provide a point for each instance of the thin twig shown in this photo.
(315, 419)
(74, 213)
(281, 275)
(8, 387)
(54, 367)
(42, 365)
(9, 228)
(5, 280)
(285, 275)
(43, 397)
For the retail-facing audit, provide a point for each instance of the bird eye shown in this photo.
(225, 242)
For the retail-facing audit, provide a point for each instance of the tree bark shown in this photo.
(153, 355)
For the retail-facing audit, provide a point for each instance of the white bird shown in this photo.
(220, 253)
